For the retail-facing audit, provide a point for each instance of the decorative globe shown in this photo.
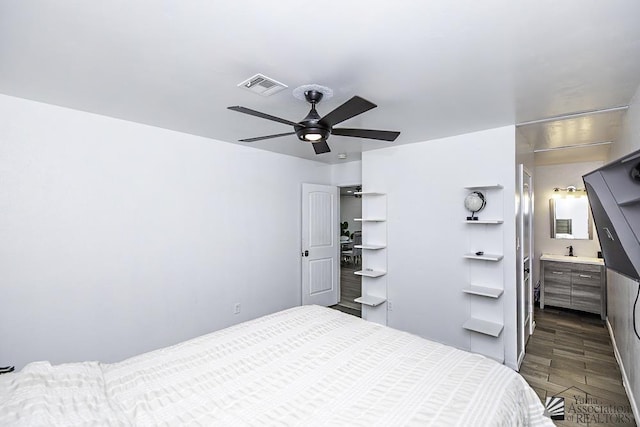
(474, 202)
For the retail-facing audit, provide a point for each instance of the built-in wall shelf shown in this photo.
(483, 327)
(370, 273)
(485, 257)
(630, 201)
(374, 256)
(370, 300)
(481, 187)
(485, 316)
(370, 247)
(484, 291)
(368, 193)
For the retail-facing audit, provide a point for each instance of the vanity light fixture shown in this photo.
(569, 189)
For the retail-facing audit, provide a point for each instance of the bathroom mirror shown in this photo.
(570, 218)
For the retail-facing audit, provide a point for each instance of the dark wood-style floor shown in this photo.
(570, 355)
(350, 289)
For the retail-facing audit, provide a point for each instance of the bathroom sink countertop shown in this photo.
(576, 259)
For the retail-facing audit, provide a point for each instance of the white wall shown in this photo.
(346, 174)
(546, 178)
(621, 291)
(425, 184)
(118, 238)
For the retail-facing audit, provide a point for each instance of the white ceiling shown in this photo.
(435, 68)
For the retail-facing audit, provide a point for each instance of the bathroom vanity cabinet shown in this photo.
(578, 283)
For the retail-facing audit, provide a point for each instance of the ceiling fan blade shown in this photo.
(251, 112)
(321, 147)
(385, 135)
(352, 107)
(260, 138)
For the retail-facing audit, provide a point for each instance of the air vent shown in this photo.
(262, 85)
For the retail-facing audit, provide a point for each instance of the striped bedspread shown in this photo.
(303, 366)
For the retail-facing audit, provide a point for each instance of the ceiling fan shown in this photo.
(316, 129)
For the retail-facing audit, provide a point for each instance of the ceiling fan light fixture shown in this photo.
(313, 137)
(313, 134)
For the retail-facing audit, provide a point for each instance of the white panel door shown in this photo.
(320, 234)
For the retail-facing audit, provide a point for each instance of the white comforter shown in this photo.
(304, 366)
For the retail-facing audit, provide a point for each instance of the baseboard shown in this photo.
(625, 379)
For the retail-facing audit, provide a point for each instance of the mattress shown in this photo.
(307, 365)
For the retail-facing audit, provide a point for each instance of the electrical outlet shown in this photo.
(236, 308)
(389, 306)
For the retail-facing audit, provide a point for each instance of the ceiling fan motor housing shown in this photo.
(310, 129)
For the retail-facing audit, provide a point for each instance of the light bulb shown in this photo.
(313, 137)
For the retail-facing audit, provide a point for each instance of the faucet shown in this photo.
(570, 250)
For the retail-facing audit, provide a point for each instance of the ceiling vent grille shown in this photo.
(262, 85)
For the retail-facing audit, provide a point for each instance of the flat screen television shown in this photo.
(614, 197)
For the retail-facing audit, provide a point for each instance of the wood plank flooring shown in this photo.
(570, 355)
(350, 289)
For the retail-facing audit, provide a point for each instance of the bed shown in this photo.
(307, 365)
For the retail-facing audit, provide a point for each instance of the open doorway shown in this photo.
(350, 254)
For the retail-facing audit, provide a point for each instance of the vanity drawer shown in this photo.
(557, 266)
(552, 275)
(590, 268)
(586, 278)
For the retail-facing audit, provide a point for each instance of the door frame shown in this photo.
(340, 186)
(524, 315)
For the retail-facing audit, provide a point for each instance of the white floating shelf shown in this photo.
(480, 187)
(485, 257)
(370, 273)
(369, 219)
(368, 193)
(370, 300)
(484, 291)
(484, 221)
(370, 247)
(483, 327)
